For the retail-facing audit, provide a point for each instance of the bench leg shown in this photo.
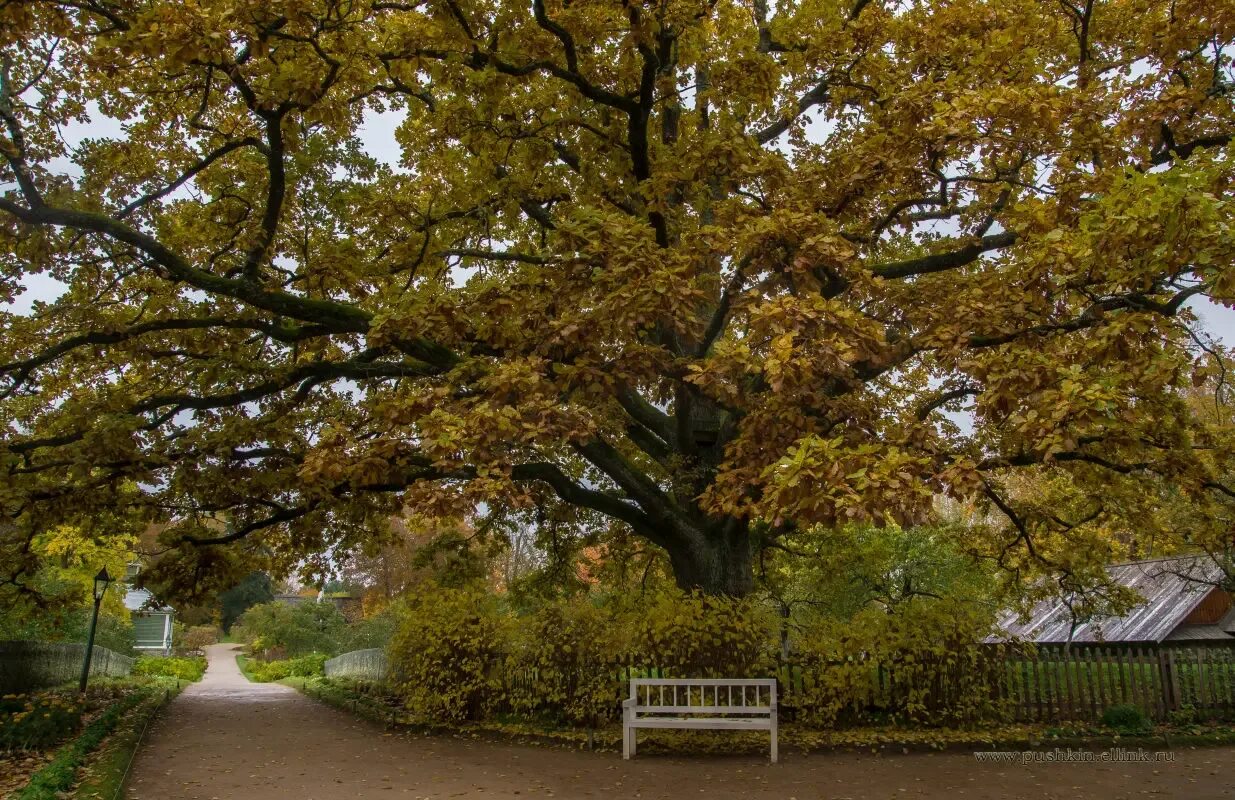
(774, 753)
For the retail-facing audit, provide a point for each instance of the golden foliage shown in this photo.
(444, 651)
(695, 267)
(565, 655)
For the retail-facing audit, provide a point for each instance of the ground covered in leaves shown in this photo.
(63, 744)
(16, 767)
(228, 738)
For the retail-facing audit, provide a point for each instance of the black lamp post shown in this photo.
(100, 588)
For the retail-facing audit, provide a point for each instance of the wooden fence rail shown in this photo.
(1047, 683)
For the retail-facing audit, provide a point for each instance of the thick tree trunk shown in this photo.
(715, 561)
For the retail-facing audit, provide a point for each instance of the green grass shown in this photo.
(244, 662)
(106, 775)
(1089, 683)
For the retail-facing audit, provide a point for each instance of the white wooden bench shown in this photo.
(741, 704)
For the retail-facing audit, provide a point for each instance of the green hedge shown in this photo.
(185, 669)
(310, 666)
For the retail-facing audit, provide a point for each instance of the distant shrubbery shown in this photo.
(310, 666)
(186, 669)
(282, 630)
(199, 637)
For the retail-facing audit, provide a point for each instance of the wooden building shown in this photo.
(1183, 601)
(152, 620)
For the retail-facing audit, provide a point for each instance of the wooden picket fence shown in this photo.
(1081, 682)
(1050, 683)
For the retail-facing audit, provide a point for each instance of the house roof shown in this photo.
(1172, 588)
(1222, 631)
(142, 600)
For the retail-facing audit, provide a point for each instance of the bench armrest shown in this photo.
(630, 702)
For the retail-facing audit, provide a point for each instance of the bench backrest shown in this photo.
(754, 696)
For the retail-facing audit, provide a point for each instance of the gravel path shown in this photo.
(227, 739)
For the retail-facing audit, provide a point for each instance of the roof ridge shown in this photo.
(1157, 559)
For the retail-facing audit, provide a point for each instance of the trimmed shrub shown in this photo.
(924, 663)
(185, 669)
(563, 663)
(696, 636)
(445, 652)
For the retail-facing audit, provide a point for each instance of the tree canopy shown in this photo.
(715, 271)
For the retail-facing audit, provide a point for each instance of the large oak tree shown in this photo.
(715, 271)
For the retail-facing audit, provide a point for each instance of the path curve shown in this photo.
(225, 738)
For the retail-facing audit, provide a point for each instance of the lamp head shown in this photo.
(100, 583)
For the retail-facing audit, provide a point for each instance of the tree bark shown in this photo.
(715, 561)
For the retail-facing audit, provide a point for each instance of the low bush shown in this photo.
(445, 653)
(697, 636)
(571, 647)
(200, 637)
(38, 721)
(309, 666)
(1184, 716)
(1126, 719)
(923, 664)
(185, 669)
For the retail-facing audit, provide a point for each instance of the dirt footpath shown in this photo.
(225, 738)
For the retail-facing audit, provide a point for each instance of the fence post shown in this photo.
(1066, 664)
(1092, 684)
(1166, 666)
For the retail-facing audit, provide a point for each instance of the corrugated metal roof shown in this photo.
(1199, 633)
(1172, 587)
